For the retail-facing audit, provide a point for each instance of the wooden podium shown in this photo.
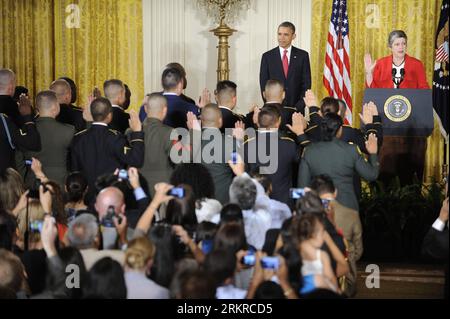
(407, 119)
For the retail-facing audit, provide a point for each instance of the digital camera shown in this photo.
(177, 192)
(270, 263)
(296, 193)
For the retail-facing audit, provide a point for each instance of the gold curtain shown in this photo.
(370, 22)
(89, 41)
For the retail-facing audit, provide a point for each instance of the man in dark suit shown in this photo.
(226, 97)
(115, 92)
(100, 150)
(172, 82)
(272, 154)
(67, 114)
(289, 65)
(56, 139)
(157, 166)
(8, 105)
(187, 99)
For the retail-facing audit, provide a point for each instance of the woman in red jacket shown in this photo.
(402, 156)
(409, 72)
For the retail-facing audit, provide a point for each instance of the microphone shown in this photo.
(402, 76)
(394, 79)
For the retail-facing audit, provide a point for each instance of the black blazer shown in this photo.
(299, 75)
(120, 120)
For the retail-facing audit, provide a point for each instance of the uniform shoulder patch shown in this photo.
(285, 138)
(80, 132)
(113, 131)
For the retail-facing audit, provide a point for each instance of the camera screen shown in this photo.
(177, 192)
(270, 263)
(297, 193)
(123, 174)
(234, 157)
(249, 259)
(36, 226)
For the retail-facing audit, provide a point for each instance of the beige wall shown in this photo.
(177, 31)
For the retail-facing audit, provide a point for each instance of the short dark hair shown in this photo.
(231, 213)
(289, 25)
(226, 88)
(100, 108)
(329, 105)
(264, 180)
(323, 184)
(330, 125)
(197, 284)
(171, 77)
(105, 281)
(269, 116)
(220, 265)
(269, 290)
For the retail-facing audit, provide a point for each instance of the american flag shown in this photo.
(336, 74)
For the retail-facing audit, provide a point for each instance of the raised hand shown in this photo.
(239, 130)
(255, 119)
(372, 144)
(238, 168)
(373, 108)
(192, 122)
(366, 116)
(369, 65)
(310, 99)
(135, 122)
(96, 93)
(205, 98)
(87, 115)
(298, 124)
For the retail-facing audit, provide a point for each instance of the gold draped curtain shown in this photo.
(370, 22)
(89, 41)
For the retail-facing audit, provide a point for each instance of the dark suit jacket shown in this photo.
(143, 114)
(288, 155)
(72, 115)
(100, 150)
(26, 138)
(177, 110)
(299, 75)
(229, 118)
(120, 120)
(9, 107)
(56, 139)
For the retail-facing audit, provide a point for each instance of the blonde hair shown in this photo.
(35, 213)
(11, 188)
(140, 251)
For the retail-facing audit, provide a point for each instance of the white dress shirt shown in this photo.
(288, 53)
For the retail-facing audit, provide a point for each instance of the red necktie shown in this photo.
(285, 63)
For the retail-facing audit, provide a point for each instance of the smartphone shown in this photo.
(207, 246)
(108, 220)
(296, 193)
(123, 174)
(234, 158)
(177, 192)
(28, 162)
(36, 226)
(249, 259)
(270, 263)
